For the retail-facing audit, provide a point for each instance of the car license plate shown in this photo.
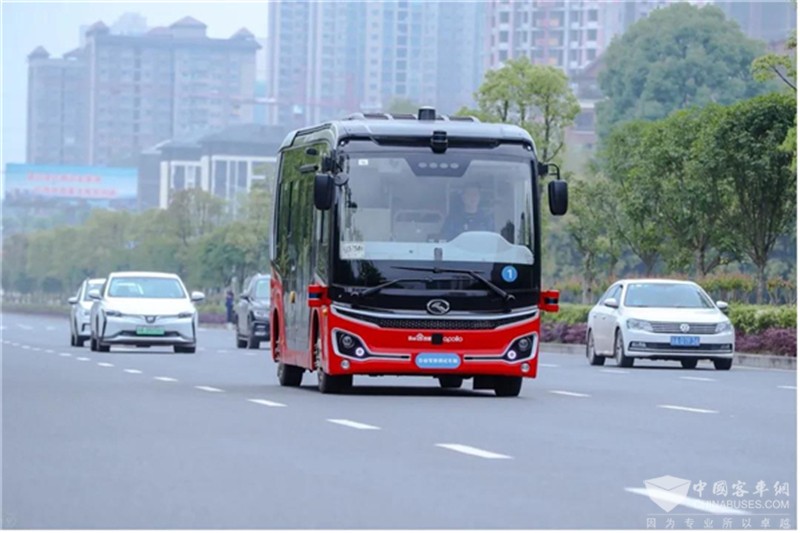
(684, 341)
(149, 331)
(438, 360)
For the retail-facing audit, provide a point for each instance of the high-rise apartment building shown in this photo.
(769, 21)
(133, 91)
(329, 59)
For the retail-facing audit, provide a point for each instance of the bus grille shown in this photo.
(437, 323)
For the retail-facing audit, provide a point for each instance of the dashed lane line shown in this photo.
(351, 423)
(105, 365)
(132, 371)
(671, 500)
(688, 409)
(614, 371)
(166, 379)
(788, 387)
(82, 359)
(694, 378)
(568, 393)
(470, 450)
(207, 388)
(266, 403)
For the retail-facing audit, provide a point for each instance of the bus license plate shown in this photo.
(438, 360)
(684, 341)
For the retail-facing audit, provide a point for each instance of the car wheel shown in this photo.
(103, 347)
(507, 386)
(619, 352)
(184, 349)
(72, 341)
(92, 344)
(240, 342)
(253, 343)
(591, 354)
(689, 363)
(450, 382)
(723, 363)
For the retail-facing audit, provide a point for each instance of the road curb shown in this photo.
(740, 359)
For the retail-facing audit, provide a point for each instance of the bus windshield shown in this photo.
(444, 207)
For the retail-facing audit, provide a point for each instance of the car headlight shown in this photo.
(722, 327)
(186, 314)
(113, 313)
(643, 325)
(260, 314)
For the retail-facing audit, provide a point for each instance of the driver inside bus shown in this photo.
(468, 216)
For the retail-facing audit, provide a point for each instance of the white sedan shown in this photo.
(659, 319)
(144, 309)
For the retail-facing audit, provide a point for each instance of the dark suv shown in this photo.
(252, 312)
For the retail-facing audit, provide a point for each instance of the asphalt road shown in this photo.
(144, 438)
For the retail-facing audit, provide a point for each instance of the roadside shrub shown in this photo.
(754, 319)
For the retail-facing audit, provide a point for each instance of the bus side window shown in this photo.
(322, 242)
(284, 220)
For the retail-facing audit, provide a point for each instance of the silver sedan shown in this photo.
(81, 310)
(144, 309)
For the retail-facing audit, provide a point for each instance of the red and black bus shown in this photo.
(409, 245)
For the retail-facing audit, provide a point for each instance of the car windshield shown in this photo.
(91, 287)
(669, 295)
(424, 206)
(145, 287)
(262, 290)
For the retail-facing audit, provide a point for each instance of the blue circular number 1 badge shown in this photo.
(509, 274)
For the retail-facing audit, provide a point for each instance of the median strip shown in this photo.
(477, 452)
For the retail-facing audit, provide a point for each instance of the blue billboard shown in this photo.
(107, 186)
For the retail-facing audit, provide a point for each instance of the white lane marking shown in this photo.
(3, 328)
(106, 365)
(165, 378)
(568, 393)
(615, 371)
(65, 354)
(477, 452)
(132, 371)
(82, 359)
(693, 378)
(549, 365)
(25, 347)
(252, 353)
(688, 409)
(686, 501)
(789, 387)
(351, 423)
(267, 403)
(36, 349)
(49, 351)
(24, 326)
(207, 388)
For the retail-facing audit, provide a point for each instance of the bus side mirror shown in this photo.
(323, 191)
(557, 196)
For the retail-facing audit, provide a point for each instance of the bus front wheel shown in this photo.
(507, 386)
(289, 375)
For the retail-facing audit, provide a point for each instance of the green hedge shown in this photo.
(745, 318)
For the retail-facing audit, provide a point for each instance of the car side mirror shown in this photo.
(722, 306)
(558, 197)
(73, 300)
(611, 302)
(94, 294)
(198, 296)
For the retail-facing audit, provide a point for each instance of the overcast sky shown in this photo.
(56, 26)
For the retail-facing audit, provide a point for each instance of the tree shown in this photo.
(695, 203)
(591, 204)
(535, 97)
(743, 147)
(784, 67)
(680, 56)
(636, 191)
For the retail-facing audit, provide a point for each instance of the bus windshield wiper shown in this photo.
(378, 288)
(474, 275)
